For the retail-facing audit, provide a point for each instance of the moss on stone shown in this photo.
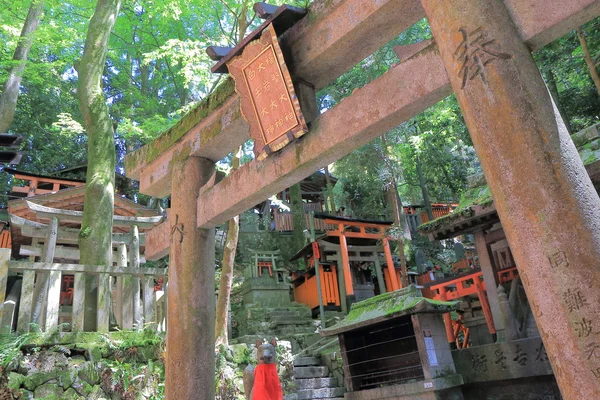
(393, 304)
(478, 196)
(152, 150)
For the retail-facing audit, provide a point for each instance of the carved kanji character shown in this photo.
(474, 54)
(559, 260)
(583, 328)
(574, 299)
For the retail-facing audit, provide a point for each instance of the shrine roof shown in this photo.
(403, 302)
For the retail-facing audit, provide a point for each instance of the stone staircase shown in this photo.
(313, 381)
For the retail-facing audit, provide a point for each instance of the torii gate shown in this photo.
(482, 52)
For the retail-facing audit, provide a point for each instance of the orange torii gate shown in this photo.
(482, 52)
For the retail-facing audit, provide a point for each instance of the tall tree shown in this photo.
(10, 92)
(227, 266)
(95, 237)
(589, 60)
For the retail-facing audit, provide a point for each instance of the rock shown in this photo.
(15, 380)
(32, 381)
(44, 361)
(241, 353)
(71, 394)
(77, 360)
(88, 372)
(26, 395)
(311, 372)
(67, 378)
(49, 391)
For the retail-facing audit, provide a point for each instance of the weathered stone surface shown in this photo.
(32, 381)
(445, 388)
(49, 392)
(306, 361)
(501, 361)
(320, 393)
(316, 383)
(88, 372)
(310, 372)
(542, 193)
(190, 353)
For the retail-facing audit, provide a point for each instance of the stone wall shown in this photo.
(83, 366)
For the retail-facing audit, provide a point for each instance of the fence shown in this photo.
(149, 310)
(306, 292)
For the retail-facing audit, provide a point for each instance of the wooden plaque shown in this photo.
(269, 102)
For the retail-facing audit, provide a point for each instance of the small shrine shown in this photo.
(393, 346)
(351, 255)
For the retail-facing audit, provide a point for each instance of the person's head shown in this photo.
(266, 352)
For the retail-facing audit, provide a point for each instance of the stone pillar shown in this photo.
(544, 197)
(190, 363)
(491, 283)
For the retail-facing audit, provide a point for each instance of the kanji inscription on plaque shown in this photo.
(272, 104)
(268, 99)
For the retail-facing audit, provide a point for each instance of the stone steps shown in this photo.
(313, 380)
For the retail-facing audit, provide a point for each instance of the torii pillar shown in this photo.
(190, 366)
(548, 206)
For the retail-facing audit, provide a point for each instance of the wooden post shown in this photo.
(4, 258)
(26, 303)
(341, 282)
(393, 283)
(545, 199)
(317, 268)
(485, 307)
(491, 284)
(128, 291)
(41, 287)
(379, 274)
(149, 302)
(134, 262)
(348, 286)
(121, 262)
(190, 366)
(78, 316)
(103, 307)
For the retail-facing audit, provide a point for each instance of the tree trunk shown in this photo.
(589, 60)
(329, 201)
(95, 241)
(298, 216)
(424, 190)
(222, 317)
(553, 89)
(399, 218)
(10, 92)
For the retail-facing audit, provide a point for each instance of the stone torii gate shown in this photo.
(482, 52)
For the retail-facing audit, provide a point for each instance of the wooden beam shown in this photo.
(20, 266)
(77, 216)
(320, 54)
(34, 229)
(67, 253)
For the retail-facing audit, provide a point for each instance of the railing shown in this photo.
(306, 292)
(147, 311)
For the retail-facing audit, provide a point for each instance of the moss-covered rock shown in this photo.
(71, 394)
(48, 391)
(31, 382)
(89, 373)
(15, 380)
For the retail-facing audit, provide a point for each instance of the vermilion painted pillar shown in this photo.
(346, 269)
(393, 284)
(548, 206)
(190, 369)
